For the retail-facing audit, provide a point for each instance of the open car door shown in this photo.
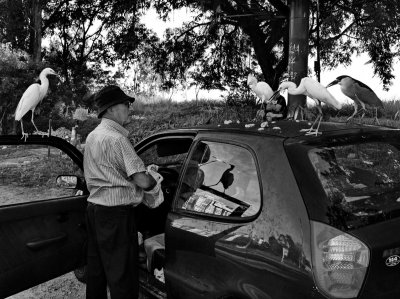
(42, 226)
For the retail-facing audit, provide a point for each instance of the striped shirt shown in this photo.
(109, 161)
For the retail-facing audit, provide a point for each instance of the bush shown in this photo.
(87, 126)
(241, 99)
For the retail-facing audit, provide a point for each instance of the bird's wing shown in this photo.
(362, 84)
(366, 95)
(28, 101)
(319, 92)
(265, 90)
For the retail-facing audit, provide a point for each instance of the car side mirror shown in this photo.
(67, 181)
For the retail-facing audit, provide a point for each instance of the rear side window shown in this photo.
(361, 181)
(220, 179)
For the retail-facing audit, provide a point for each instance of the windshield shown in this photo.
(360, 180)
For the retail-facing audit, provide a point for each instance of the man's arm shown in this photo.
(144, 181)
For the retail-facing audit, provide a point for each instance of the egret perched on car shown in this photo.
(360, 93)
(316, 91)
(32, 96)
(261, 89)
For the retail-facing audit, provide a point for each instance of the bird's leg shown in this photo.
(37, 131)
(299, 110)
(313, 131)
(363, 110)
(395, 116)
(355, 111)
(24, 135)
(376, 116)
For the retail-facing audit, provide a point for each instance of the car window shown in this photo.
(169, 153)
(361, 181)
(29, 172)
(220, 179)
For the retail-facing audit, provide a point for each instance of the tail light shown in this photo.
(340, 261)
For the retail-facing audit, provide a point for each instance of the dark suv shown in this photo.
(249, 212)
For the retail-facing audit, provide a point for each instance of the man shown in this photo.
(116, 179)
(276, 109)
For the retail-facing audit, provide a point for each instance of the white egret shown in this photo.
(32, 96)
(317, 92)
(261, 89)
(360, 93)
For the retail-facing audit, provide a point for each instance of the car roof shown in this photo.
(291, 128)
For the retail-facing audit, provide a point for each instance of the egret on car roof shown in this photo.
(32, 97)
(261, 89)
(314, 90)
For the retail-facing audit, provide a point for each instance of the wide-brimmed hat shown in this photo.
(109, 96)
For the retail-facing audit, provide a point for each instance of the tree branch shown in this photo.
(191, 29)
(341, 33)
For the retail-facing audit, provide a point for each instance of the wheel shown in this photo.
(80, 274)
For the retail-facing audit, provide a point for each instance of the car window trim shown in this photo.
(226, 219)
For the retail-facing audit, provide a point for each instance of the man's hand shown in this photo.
(152, 170)
(152, 167)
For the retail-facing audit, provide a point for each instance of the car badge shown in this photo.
(392, 260)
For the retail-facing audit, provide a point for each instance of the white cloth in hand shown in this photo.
(154, 197)
(152, 170)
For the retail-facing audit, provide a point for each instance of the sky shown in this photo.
(359, 68)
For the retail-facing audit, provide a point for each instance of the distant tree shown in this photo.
(218, 47)
(346, 26)
(86, 39)
(16, 74)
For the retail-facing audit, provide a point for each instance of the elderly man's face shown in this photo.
(121, 112)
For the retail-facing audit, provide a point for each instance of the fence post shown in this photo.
(49, 131)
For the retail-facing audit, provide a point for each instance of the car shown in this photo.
(251, 210)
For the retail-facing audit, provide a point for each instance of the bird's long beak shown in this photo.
(274, 96)
(336, 81)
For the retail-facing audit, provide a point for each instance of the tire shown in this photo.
(80, 274)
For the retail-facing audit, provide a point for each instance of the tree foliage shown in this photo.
(346, 27)
(217, 48)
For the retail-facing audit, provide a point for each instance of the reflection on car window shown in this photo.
(361, 182)
(29, 172)
(220, 179)
(169, 154)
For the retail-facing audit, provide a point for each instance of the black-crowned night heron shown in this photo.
(316, 91)
(32, 97)
(360, 93)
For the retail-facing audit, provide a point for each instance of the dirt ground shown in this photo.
(66, 287)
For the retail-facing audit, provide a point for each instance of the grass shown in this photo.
(157, 116)
(30, 166)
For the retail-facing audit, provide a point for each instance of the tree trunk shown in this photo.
(298, 50)
(37, 30)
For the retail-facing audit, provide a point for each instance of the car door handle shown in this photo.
(36, 245)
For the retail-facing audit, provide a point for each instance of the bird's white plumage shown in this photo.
(312, 89)
(28, 101)
(315, 90)
(261, 89)
(32, 97)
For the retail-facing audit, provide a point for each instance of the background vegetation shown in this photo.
(91, 43)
